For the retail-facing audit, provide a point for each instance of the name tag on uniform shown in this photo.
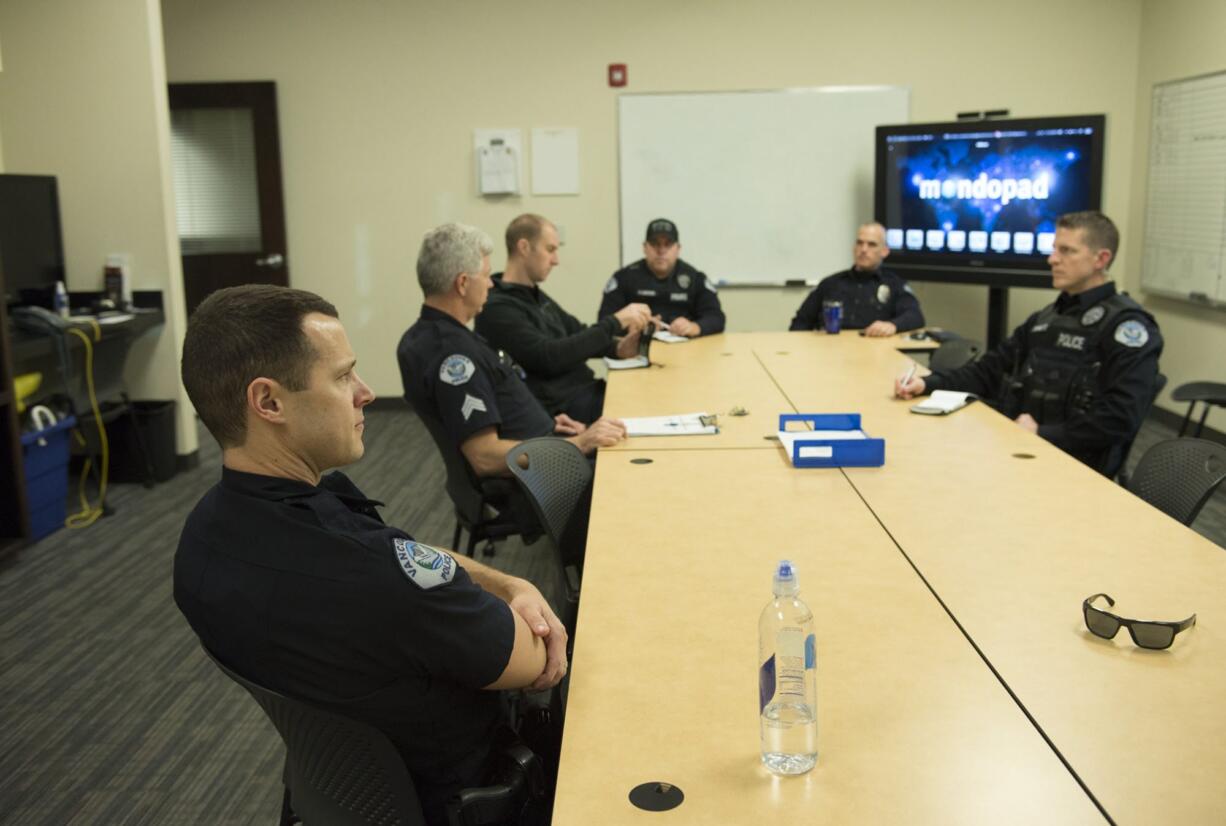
(646, 293)
(678, 297)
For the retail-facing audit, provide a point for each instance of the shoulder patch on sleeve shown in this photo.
(425, 566)
(710, 285)
(907, 288)
(611, 284)
(456, 369)
(1132, 333)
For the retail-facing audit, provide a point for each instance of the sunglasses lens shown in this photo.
(1100, 624)
(1148, 635)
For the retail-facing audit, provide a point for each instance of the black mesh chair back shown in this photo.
(472, 504)
(954, 354)
(556, 476)
(1179, 475)
(338, 771)
(1210, 393)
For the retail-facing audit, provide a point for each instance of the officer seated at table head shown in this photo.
(289, 576)
(875, 300)
(682, 299)
(1080, 372)
(479, 395)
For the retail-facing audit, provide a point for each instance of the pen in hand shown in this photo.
(910, 374)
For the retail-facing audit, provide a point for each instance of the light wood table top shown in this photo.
(1012, 546)
(913, 728)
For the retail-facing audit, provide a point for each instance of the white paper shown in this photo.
(671, 338)
(626, 364)
(942, 401)
(686, 424)
(788, 438)
(499, 170)
(555, 161)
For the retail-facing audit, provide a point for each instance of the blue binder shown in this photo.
(866, 452)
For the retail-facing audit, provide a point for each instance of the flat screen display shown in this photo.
(31, 246)
(977, 201)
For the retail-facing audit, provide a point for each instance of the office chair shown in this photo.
(954, 353)
(1178, 476)
(338, 771)
(1209, 392)
(481, 509)
(1122, 474)
(557, 478)
(342, 772)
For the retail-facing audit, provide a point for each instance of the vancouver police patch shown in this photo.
(1093, 315)
(883, 294)
(1132, 334)
(683, 281)
(611, 284)
(709, 284)
(427, 567)
(456, 369)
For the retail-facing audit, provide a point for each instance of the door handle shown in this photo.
(274, 261)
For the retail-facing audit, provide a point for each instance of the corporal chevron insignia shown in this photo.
(471, 405)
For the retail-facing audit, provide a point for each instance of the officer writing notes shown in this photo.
(289, 576)
(1080, 372)
(680, 296)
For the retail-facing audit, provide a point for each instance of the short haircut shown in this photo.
(447, 251)
(1100, 231)
(871, 225)
(528, 227)
(237, 335)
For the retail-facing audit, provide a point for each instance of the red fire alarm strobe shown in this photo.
(617, 74)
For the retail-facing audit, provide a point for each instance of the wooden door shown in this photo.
(228, 197)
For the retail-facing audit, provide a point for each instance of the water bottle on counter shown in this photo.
(787, 678)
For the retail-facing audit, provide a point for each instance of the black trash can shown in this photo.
(156, 422)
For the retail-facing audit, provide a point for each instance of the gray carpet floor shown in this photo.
(110, 712)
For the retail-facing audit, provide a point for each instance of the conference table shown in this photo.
(956, 680)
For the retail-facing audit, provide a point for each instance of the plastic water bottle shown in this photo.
(787, 678)
(60, 300)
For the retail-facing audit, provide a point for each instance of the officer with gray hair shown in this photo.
(478, 395)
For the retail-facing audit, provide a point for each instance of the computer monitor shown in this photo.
(977, 201)
(31, 244)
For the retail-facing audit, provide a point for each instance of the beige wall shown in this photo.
(82, 97)
(1179, 38)
(378, 100)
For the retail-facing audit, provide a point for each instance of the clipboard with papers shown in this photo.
(686, 424)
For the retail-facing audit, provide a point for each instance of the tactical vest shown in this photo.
(1059, 377)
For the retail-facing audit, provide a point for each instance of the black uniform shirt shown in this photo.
(304, 590)
(866, 297)
(448, 369)
(686, 292)
(1122, 362)
(551, 344)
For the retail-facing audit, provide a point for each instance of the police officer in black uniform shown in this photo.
(552, 345)
(290, 577)
(679, 295)
(480, 397)
(1080, 372)
(874, 300)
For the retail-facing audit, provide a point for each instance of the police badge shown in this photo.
(1093, 315)
(883, 294)
(683, 281)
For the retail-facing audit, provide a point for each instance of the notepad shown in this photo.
(943, 402)
(666, 336)
(686, 424)
(626, 364)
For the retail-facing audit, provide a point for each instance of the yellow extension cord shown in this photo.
(89, 514)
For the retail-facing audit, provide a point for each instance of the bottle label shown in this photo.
(766, 683)
(790, 666)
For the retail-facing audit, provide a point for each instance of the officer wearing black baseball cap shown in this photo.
(679, 295)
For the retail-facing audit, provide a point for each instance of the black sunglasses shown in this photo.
(1145, 633)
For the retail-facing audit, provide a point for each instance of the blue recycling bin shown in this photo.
(46, 467)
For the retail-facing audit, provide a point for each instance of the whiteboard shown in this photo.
(764, 187)
(1185, 206)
